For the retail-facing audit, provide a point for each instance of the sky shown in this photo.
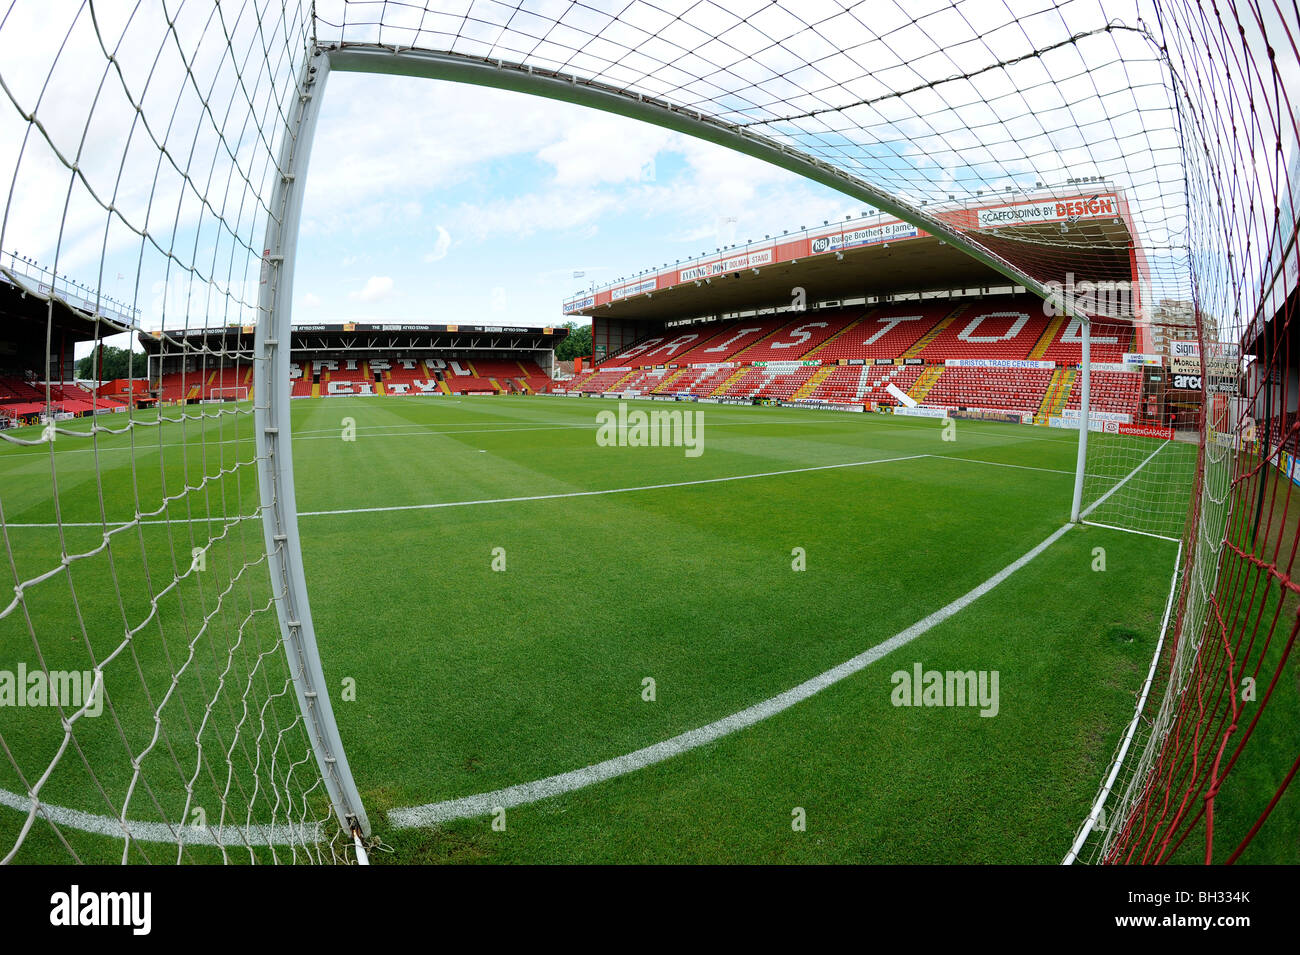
(430, 201)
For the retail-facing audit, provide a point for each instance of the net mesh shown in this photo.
(149, 711)
(1140, 146)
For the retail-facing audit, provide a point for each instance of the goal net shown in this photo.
(155, 157)
(151, 703)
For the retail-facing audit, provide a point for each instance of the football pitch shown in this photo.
(542, 646)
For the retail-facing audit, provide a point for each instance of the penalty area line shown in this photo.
(492, 500)
(483, 804)
(612, 490)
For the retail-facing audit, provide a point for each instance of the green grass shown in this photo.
(470, 679)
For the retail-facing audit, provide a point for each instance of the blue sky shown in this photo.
(438, 202)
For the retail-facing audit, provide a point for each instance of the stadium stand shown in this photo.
(795, 339)
(885, 332)
(1020, 389)
(799, 360)
(993, 328)
(1110, 340)
(21, 399)
(1112, 391)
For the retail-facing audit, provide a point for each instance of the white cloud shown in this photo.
(310, 300)
(606, 149)
(440, 247)
(376, 289)
(551, 210)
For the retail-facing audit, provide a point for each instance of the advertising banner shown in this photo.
(1072, 414)
(1137, 358)
(636, 288)
(1056, 421)
(747, 260)
(867, 235)
(1049, 210)
(921, 412)
(977, 414)
(998, 363)
(1147, 431)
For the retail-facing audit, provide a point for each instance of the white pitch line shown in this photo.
(999, 464)
(1134, 530)
(1102, 500)
(525, 793)
(535, 497)
(1095, 815)
(612, 490)
(332, 434)
(231, 836)
(498, 500)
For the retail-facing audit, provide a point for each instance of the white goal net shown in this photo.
(161, 695)
(148, 708)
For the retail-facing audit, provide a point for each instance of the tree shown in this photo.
(578, 342)
(116, 362)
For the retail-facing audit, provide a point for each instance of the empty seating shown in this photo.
(22, 398)
(1119, 392)
(886, 332)
(1005, 328)
(1019, 389)
(798, 337)
(844, 385)
(600, 381)
(1110, 340)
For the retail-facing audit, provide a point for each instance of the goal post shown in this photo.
(274, 436)
(1085, 401)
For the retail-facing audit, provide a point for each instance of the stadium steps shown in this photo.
(933, 333)
(446, 388)
(315, 389)
(929, 378)
(734, 377)
(663, 386)
(809, 386)
(523, 380)
(1057, 394)
(1049, 336)
(843, 331)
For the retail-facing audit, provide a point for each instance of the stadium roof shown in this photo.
(366, 335)
(876, 255)
(25, 293)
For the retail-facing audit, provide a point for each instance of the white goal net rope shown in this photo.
(1138, 144)
(148, 707)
